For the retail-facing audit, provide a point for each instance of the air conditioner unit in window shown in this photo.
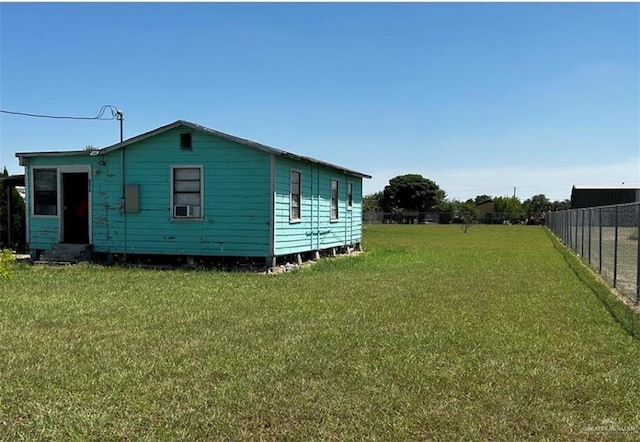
(183, 211)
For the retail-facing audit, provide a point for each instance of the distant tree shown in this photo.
(411, 192)
(468, 214)
(17, 232)
(481, 198)
(446, 205)
(560, 205)
(458, 212)
(447, 209)
(469, 210)
(535, 207)
(510, 207)
(536, 204)
(372, 203)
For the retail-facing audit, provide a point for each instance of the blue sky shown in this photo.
(480, 98)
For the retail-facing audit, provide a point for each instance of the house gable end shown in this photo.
(238, 140)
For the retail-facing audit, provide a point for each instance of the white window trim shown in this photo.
(172, 217)
(349, 189)
(331, 218)
(299, 219)
(32, 182)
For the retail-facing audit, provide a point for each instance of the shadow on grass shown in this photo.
(628, 319)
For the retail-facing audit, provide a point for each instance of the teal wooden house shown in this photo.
(186, 190)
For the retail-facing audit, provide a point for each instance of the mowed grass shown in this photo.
(432, 334)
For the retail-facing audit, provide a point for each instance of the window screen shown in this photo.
(45, 192)
(187, 192)
(334, 199)
(294, 208)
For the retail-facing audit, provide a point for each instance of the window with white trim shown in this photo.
(295, 200)
(186, 192)
(350, 195)
(45, 192)
(334, 200)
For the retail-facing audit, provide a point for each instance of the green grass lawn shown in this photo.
(432, 334)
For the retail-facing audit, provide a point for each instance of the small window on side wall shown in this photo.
(185, 141)
(350, 196)
(295, 199)
(45, 192)
(334, 200)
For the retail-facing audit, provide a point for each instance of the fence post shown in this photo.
(570, 226)
(638, 258)
(580, 227)
(582, 235)
(569, 231)
(615, 251)
(600, 241)
(575, 244)
(589, 249)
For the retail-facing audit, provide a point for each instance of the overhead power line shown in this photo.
(116, 114)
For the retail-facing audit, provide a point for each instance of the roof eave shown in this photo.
(62, 153)
(143, 136)
(243, 141)
(631, 186)
(193, 126)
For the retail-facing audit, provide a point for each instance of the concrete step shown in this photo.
(67, 253)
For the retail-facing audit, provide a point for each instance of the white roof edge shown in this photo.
(607, 186)
(58, 153)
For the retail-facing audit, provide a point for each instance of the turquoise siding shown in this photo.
(237, 200)
(235, 218)
(315, 230)
(235, 208)
(44, 231)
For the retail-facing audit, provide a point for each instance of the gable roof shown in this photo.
(199, 128)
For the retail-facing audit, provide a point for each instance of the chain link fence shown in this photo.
(606, 238)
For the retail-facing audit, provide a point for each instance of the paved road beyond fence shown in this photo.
(606, 238)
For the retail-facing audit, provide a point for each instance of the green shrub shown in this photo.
(6, 259)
